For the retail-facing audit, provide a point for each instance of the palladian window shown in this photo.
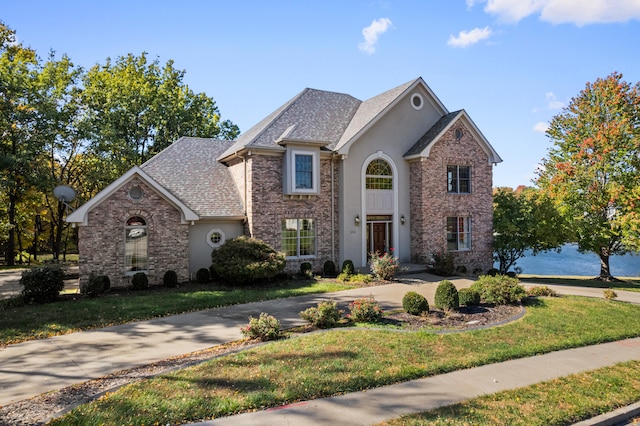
(136, 252)
(379, 175)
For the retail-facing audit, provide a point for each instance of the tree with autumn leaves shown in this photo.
(592, 171)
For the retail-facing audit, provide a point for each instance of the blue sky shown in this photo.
(511, 64)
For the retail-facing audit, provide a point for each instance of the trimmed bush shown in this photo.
(97, 284)
(42, 285)
(414, 303)
(245, 260)
(493, 272)
(443, 264)
(306, 270)
(384, 267)
(139, 281)
(499, 289)
(541, 291)
(203, 276)
(329, 268)
(325, 315)
(264, 328)
(446, 296)
(170, 279)
(347, 267)
(365, 310)
(468, 297)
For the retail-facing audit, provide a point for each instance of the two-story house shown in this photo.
(324, 177)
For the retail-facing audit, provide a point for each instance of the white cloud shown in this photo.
(468, 38)
(553, 102)
(578, 12)
(371, 34)
(540, 127)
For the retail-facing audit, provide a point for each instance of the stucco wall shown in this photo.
(267, 206)
(200, 250)
(101, 241)
(431, 204)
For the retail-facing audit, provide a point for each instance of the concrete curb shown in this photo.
(613, 418)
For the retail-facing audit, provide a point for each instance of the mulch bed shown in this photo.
(40, 409)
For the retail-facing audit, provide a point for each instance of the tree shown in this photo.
(592, 172)
(524, 220)
(136, 108)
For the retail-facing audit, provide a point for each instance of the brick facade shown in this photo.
(267, 206)
(102, 242)
(431, 204)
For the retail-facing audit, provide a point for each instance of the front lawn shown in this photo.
(31, 322)
(629, 284)
(349, 360)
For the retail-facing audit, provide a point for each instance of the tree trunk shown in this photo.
(605, 271)
(10, 255)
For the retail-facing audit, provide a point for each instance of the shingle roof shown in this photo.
(432, 133)
(189, 169)
(312, 115)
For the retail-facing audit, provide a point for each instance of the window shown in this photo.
(458, 233)
(136, 257)
(299, 237)
(379, 175)
(215, 238)
(459, 179)
(304, 171)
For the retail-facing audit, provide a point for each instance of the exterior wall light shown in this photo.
(402, 219)
(357, 220)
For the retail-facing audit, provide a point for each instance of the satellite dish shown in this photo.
(64, 193)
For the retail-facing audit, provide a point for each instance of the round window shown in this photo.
(215, 238)
(458, 134)
(416, 101)
(136, 193)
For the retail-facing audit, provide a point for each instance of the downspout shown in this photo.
(333, 211)
(244, 198)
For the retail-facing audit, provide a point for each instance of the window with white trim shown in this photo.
(379, 175)
(458, 233)
(459, 179)
(215, 238)
(136, 247)
(299, 238)
(302, 174)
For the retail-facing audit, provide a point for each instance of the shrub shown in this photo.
(493, 272)
(347, 267)
(329, 268)
(139, 281)
(265, 327)
(325, 315)
(446, 296)
(384, 267)
(42, 285)
(97, 284)
(539, 291)
(414, 303)
(12, 302)
(461, 269)
(365, 310)
(203, 276)
(354, 278)
(170, 279)
(246, 260)
(499, 289)
(306, 270)
(468, 297)
(442, 264)
(609, 294)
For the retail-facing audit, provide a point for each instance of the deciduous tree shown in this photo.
(592, 171)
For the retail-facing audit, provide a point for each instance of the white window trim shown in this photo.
(417, 107)
(128, 228)
(223, 237)
(315, 239)
(291, 172)
(468, 223)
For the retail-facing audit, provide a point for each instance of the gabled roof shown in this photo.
(314, 116)
(426, 142)
(372, 109)
(189, 169)
(80, 214)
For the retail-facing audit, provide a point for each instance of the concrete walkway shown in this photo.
(35, 367)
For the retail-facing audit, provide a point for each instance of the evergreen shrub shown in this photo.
(245, 260)
(329, 268)
(414, 303)
(499, 289)
(325, 315)
(170, 279)
(42, 285)
(447, 296)
(95, 285)
(468, 297)
(203, 276)
(139, 281)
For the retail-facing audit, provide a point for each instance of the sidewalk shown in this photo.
(35, 367)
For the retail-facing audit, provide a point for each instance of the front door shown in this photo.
(378, 234)
(379, 237)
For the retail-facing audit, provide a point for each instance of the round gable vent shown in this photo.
(136, 193)
(458, 133)
(416, 101)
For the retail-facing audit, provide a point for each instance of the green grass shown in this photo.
(557, 402)
(41, 321)
(343, 360)
(629, 284)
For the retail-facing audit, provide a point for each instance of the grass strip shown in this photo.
(557, 402)
(31, 322)
(628, 284)
(341, 361)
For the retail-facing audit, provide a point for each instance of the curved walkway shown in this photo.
(32, 368)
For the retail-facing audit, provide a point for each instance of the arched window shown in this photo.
(136, 253)
(379, 175)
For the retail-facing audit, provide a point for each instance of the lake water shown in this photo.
(570, 262)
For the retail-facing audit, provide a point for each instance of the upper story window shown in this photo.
(459, 179)
(379, 175)
(136, 251)
(302, 171)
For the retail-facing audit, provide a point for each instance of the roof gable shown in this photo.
(423, 146)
